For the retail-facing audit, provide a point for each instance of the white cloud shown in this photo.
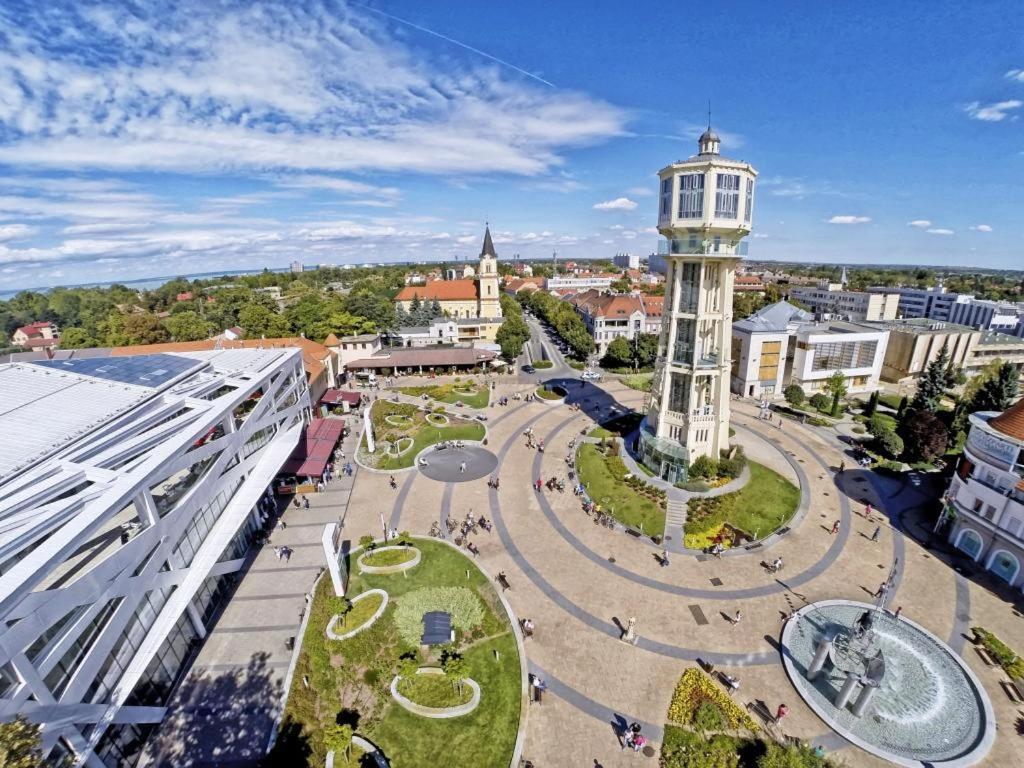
(981, 228)
(618, 204)
(16, 231)
(849, 220)
(640, 191)
(1016, 74)
(943, 232)
(919, 223)
(993, 113)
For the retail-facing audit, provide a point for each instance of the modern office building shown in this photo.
(781, 345)
(601, 281)
(831, 301)
(987, 494)
(705, 206)
(936, 303)
(130, 490)
(627, 260)
(915, 342)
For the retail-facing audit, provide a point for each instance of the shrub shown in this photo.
(541, 365)
(814, 421)
(703, 466)
(693, 689)
(366, 541)
(821, 402)
(683, 749)
(732, 467)
(465, 607)
(1002, 653)
(707, 717)
(859, 430)
(794, 395)
(790, 756)
(890, 444)
(890, 466)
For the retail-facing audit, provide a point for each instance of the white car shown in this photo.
(590, 375)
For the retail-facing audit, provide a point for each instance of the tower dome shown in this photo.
(709, 142)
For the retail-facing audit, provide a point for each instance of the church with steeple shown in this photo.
(473, 302)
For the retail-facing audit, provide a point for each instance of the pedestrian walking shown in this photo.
(392, 482)
(878, 530)
(883, 589)
(842, 467)
(899, 610)
(664, 558)
(462, 468)
(277, 552)
(736, 619)
(835, 528)
(287, 552)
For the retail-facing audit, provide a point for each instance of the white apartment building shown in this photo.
(780, 345)
(986, 495)
(130, 490)
(609, 316)
(830, 301)
(627, 260)
(442, 330)
(936, 303)
(600, 281)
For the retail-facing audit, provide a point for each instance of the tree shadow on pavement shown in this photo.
(222, 719)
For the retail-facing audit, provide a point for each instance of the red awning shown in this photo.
(339, 396)
(311, 455)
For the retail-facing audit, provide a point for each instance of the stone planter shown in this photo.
(363, 568)
(366, 624)
(437, 713)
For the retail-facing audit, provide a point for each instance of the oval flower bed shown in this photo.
(552, 394)
(400, 446)
(398, 420)
(389, 559)
(438, 419)
(365, 609)
(431, 694)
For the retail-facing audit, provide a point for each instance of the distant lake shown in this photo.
(144, 283)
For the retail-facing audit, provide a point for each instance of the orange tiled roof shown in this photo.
(1011, 421)
(442, 290)
(313, 354)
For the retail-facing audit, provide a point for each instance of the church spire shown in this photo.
(488, 248)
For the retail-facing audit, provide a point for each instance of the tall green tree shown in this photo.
(999, 392)
(512, 335)
(872, 405)
(835, 386)
(20, 744)
(924, 434)
(934, 382)
(144, 328)
(188, 326)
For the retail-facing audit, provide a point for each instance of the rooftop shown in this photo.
(921, 326)
(442, 290)
(775, 318)
(1011, 421)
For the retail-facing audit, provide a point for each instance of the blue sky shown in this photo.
(149, 139)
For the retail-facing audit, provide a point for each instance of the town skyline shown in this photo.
(121, 162)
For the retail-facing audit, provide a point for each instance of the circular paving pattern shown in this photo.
(929, 708)
(446, 465)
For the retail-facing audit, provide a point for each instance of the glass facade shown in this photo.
(666, 197)
(689, 286)
(691, 196)
(836, 355)
(748, 203)
(727, 196)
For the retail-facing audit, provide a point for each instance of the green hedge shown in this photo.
(541, 365)
(1002, 653)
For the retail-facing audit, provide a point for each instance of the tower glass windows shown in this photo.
(691, 196)
(748, 203)
(666, 197)
(727, 196)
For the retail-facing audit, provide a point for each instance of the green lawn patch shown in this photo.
(421, 432)
(638, 381)
(600, 432)
(603, 477)
(360, 613)
(576, 365)
(433, 691)
(357, 674)
(554, 393)
(542, 365)
(466, 392)
(389, 557)
(767, 502)
(891, 401)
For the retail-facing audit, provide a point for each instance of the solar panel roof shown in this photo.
(144, 370)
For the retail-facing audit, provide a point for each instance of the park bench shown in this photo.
(502, 579)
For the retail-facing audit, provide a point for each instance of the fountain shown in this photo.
(888, 685)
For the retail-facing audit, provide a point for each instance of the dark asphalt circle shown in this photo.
(445, 465)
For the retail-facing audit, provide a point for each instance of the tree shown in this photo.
(512, 335)
(76, 338)
(144, 328)
(924, 435)
(621, 285)
(20, 744)
(188, 326)
(872, 406)
(455, 670)
(902, 407)
(835, 385)
(999, 392)
(259, 321)
(618, 354)
(794, 395)
(934, 382)
(338, 739)
(819, 401)
(989, 371)
(790, 756)
(889, 443)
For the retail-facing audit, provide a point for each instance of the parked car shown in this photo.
(529, 369)
(589, 375)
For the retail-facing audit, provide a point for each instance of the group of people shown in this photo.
(633, 739)
(552, 484)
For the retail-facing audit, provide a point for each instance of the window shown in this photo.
(727, 196)
(691, 196)
(748, 203)
(666, 197)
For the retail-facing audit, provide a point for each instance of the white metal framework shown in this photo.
(130, 489)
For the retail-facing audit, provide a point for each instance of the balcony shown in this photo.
(684, 246)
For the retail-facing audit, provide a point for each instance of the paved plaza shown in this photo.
(580, 582)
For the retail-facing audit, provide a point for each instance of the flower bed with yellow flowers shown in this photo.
(695, 688)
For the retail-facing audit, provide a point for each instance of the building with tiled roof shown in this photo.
(748, 284)
(477, 297)
(37, 335)
(609, 316)
(985, 501)
(517, 284)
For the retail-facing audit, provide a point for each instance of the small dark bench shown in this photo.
(502, 579)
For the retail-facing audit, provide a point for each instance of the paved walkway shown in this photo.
(224, 711)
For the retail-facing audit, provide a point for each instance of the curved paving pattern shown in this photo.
(456, 465)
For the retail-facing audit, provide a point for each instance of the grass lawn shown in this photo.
(361, 613)
(353, 677)
(423, 434)
(602, 475)
(466, 392)
(638, 381)
(765, 503)
(433, 691)
(600, 432)
(555, 393)
(892, 401)
(389, 557)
